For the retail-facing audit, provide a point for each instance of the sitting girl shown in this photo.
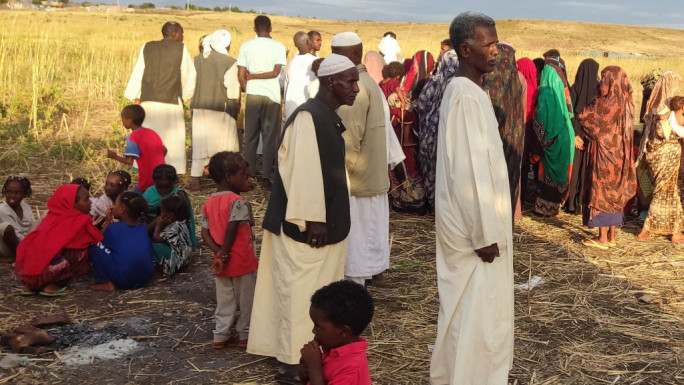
(165, 178)
(116, 183)
(172, 237)
(16, 217)
(123, 260)
(57, 250)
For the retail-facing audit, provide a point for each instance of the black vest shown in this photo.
(161, 81)
(210, 92)
(329, 128)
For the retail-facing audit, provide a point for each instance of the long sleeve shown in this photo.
(134, 86)
(299, 164)
(188, 75)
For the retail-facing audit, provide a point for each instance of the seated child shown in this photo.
(83, 182)
(172, 240)
(165, 179)
(123, 260)
(142, 145)
(57, 250)
(340, 312)
(227, 229)
(16, 217)
(116, 183)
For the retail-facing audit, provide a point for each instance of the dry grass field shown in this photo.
(62, 76)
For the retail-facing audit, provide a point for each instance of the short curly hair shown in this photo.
(345, 303)
(393, 70)
(224, 164)
(677, 103)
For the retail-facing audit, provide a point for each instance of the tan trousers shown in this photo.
(231, 291)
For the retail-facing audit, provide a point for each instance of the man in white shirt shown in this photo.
(259, 64)
(299, 74)
(316, 42)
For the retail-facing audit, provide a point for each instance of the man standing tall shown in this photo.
(316, 42)
(366, 152)
(299, 74)
(162, 78)
(306, 222)
(259, 63)
(473, 221)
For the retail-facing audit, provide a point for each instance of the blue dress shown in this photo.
(124, 257)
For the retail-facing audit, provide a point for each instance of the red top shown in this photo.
(146, 146)
(224, 207)
(347, 365)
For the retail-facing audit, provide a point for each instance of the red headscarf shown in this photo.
(529, 70)
(63, 227)
(416, 72)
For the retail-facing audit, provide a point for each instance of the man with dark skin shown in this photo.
(473, 221)
(307, 220)
(316, 42)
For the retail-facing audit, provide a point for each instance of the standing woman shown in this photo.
(553, 127)
(529, 72)
(582, 93)
(662, 152)
(608, 126)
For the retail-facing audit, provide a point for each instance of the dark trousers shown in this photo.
(262, 116)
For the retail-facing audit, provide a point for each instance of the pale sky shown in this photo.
(656, 13)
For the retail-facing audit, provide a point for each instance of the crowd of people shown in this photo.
(461, 136)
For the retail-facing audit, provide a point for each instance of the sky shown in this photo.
(653, 13)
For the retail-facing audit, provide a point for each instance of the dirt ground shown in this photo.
(583, 324)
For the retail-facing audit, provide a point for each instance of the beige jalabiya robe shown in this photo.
(289, 271)
(473, 210)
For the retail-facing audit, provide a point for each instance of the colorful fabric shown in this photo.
(67, 264)
(529, 70)
(422, 65)
(148, 150)
(63, 227)
(667, 86)
(428, 112)
(608, 123)
(153, 199)
(124, 257)
(179, 251)
(506, 93)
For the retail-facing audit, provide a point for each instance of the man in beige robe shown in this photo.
(306, 222)
(473, 222)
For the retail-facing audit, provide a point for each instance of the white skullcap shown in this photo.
(219, 40)
(334, 64)
(345, 39)
(389, 48)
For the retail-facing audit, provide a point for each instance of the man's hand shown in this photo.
(487, 254)
(579, 143)
(316, 234)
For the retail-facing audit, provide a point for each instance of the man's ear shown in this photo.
(463, 49)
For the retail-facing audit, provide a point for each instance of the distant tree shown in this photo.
(35, 2)
(65, 2)
(147, 6)
(3, 1)
(176, 7)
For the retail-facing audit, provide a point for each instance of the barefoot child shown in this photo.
(227, 228)
(123, 260)
(142, 145)
(173, 242)
(340, 312)
(16, 217)
(116, 183)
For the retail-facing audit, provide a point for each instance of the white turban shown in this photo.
(389, 48)
(206, 48)
(219, 40)
(345, 39)
(334, 64)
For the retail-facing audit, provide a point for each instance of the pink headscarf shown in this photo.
(527, 68)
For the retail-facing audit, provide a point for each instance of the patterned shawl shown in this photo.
(421, 67)
(529, 70)
(608, 123)
(667, 86)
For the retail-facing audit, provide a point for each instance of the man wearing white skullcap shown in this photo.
(306, 222)
(162, 78)
(366, 152)
(215, 103)
(298, 74)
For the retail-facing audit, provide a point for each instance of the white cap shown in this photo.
(345, 39)
(334, 64)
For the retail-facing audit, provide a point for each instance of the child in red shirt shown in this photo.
(340, 312)
(142, 145)
(227, 228)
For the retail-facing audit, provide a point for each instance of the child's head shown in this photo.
(132, 116)
(129, 205)
(116, 183)
(176, 207)
(165, 178)
(83, 202)
(393, 70)
(15, 189)
(83, 182)
(677, 106)
(230, 171)
(340, 312)
(315, 65)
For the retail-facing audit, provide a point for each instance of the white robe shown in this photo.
(214, 131)
(289, 271)
(166, 119)
(298, 80)
(474, 343)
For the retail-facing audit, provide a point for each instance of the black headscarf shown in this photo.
(585, 88)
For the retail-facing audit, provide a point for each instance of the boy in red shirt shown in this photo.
(340, 312)
(142, 145)
(227, 222)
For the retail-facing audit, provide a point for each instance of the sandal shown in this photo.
(612, 244)
(593, 243)
(59, 293)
